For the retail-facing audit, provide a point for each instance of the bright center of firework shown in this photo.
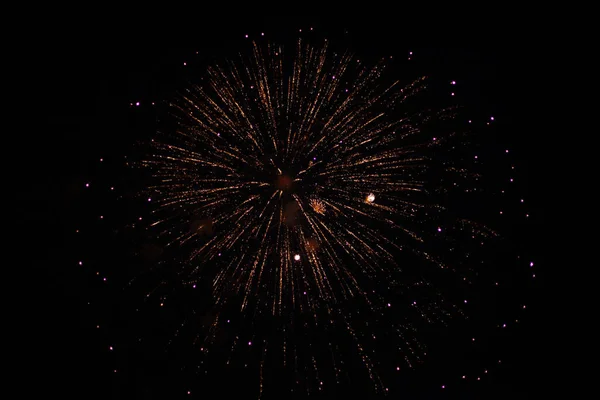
(297, 257)
(371, 198)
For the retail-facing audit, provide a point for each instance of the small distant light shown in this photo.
(246, 36)
(297, 257)
(249, 343)
(410, 52)
(102, 159)
(80, 263)
(262, 34)
(492, 118)
(104, 279)
(194, 287)
(453, 82)
(149, 199)
(304, 292)
(507, 151)
(389, 305)
(439, 229)
(443, 386)
(110, 348)
(184, 63)
(452, 94)
(397, 368)
(137, 104)
(87, 185)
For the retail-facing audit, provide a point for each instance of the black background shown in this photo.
(88, 76)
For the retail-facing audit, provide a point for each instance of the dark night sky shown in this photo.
(87, 78)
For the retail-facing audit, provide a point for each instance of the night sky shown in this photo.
(91, 82)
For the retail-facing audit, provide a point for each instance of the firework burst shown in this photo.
(295, 185)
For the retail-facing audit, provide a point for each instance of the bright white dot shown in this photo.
(397, 368)
(149, 199)
(371, 198)
(219, 254)
(137, 104)
(439, 229)
(101, 159)
(184, 63)
(249, 343)
(452, 94)
(464, 377)
(507, 151)
(389, 305)
(80, 263)
(87, 185)
(297, 257)
(410, 52)
(246, 36)
(476, 157)
(443, 386)
(304, 292)
(110, 348)
(492, 118)
(453, 82)
(262, 34)
(504, 325)
(112, 188)
(434, 139)
(334, 77)
(104, 279)
(469, 121)
(531, 264)
(194, 287)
